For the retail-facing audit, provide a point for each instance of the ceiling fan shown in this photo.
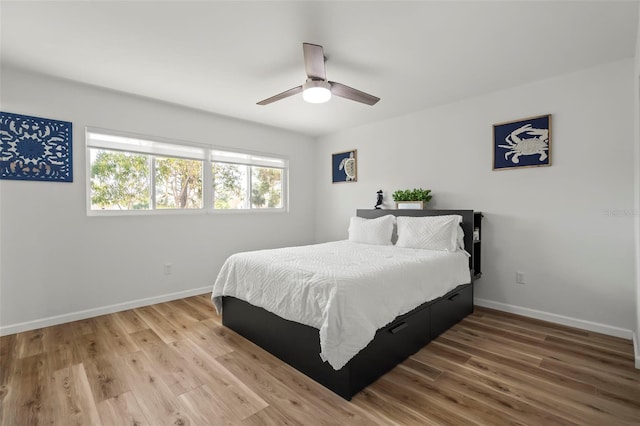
(317, 89)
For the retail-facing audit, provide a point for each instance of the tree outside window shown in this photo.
(229, 186)
(266, 187)
(119, 180)
(178, 183)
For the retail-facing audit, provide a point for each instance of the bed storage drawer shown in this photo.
(294, 343)
(450, 309)
(407, 334)
(392, 345)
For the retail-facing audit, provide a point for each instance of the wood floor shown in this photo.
(175, 364)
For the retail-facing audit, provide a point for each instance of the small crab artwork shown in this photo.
(344, 166)
(522, 143)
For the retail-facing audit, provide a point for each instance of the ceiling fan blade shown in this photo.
(282, 95)
(347, 92)
(314, 61)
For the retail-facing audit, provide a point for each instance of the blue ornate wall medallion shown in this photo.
(35, 148)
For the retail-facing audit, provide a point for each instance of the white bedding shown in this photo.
(346, 290)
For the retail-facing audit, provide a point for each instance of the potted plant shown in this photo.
(412, 198)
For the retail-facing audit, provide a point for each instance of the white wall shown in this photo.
(550, 223)
(637, 191)
(56, 261)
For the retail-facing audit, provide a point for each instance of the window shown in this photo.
(135, 175)
(178, 183)
(246, 181)
(229, 186)
(119, 180)
(266, 187)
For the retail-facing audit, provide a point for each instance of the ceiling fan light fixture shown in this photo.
(316, 91)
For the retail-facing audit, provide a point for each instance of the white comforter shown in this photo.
(346, 290)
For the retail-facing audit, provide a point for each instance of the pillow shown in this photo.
(460, 238)
(372, 231)
(430, 232)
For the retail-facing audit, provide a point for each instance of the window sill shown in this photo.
(173, 212)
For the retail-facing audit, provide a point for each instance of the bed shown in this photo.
(320, 349)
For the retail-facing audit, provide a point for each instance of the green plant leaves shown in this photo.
(416, 194)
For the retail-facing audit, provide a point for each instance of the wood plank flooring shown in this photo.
(175, 364)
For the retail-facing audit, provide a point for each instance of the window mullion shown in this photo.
(152, 185)
(284, 191)
(249, 186)
(207, 185)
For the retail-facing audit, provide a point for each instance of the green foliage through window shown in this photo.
(229, 186)
(178, 183)
(231, 183)
(133, 173)
(266, 187)
(119, 180)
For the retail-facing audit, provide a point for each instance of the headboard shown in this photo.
(467, 220)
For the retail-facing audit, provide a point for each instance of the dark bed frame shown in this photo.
(299, 345)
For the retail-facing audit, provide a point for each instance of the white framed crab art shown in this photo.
(522, 143)
(344, 166)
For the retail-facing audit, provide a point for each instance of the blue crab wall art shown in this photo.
(523, 143)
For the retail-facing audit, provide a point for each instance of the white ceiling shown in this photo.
(223, 57)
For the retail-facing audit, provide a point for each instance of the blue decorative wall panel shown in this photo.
(35, 148)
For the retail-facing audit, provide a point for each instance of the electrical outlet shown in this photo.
(168, 268)
(520, 278)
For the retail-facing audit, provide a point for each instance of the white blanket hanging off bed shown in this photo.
(344, 289)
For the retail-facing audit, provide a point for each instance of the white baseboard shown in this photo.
(89, 313)
(558, 319)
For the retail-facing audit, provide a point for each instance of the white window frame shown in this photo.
(155, 146)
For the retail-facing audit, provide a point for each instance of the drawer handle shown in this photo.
(454, 296)
(398, 327)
